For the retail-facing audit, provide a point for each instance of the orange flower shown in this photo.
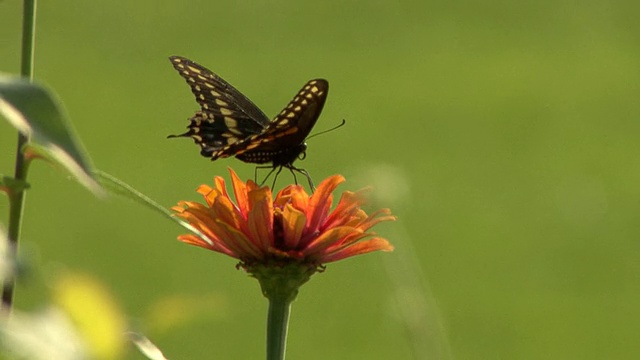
(292, 228)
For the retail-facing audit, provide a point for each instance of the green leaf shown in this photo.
(118, 187)
(36, 112)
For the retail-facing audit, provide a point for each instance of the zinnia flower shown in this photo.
(282, 241)
(292, 228)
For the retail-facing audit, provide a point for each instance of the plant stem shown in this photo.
(17, 197)
(28, 38)
(277, 326)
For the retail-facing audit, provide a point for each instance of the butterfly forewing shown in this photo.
(226, 115)
(282, 141)
(293, 124)
(216, 95)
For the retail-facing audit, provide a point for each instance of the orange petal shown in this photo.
(320, 202)
(177, 208)
(329, 238)
(208, 193)
(293, 221)
(348, 205)
(299, 198)
(197, 241)
(376, 218)
(225, 211)
(251, 185)
(239, 243)
(202, 221)
(240, 191)
(359, 248)
(292, 194)
(204, 189)
(260, 220)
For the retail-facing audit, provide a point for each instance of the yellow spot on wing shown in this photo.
(195, 70)
(230, 122)
(235, 131)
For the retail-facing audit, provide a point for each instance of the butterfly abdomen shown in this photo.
(280, 157)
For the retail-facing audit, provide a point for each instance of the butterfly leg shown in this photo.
(295, 179)
(305, 173)
(255, 174)
(275, 177)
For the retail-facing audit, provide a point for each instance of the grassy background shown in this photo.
(503, 134)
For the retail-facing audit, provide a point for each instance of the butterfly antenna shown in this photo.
(326, 131)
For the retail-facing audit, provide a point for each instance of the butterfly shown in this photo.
(229, 124)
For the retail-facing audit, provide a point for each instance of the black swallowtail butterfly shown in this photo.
(229, 124)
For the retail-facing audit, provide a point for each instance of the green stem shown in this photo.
(277, 326)
(28, 38)
(17, 197)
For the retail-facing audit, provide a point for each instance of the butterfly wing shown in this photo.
(283, 139)
(226, 116)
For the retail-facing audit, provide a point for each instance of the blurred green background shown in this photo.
(505, 136)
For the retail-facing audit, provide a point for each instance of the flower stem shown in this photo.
(28, 37)
(277, 326)
(280, 284)
(17, 196)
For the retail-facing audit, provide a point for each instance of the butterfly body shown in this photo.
(229, 124)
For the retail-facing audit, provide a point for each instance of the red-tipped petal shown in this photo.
(359, 248)
(320, 202)
(260, 219)
(348, 206)
(240, 192)
(331, 237)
